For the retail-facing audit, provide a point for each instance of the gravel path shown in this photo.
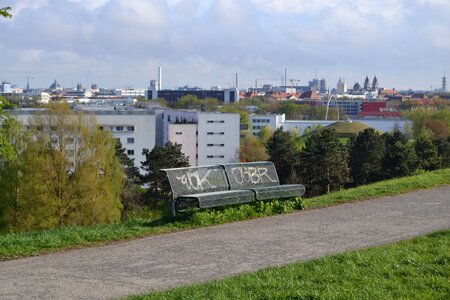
(170, 260)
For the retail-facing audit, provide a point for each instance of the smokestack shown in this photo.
(285, 76)
(236, 80)
(160, 79)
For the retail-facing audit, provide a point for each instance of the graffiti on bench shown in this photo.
(253, 175)
(192, 180)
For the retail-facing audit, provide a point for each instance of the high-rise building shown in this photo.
(341, 87)
(322, 85)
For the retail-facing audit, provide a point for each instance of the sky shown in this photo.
(121, 43)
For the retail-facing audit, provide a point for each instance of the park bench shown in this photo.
(212, 186)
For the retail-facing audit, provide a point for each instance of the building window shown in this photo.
(215, 156)
(210, 133)
(130, 140)
(215, 145)
(130, 152)
(216, 121)
(130, 128)
(178, 133)
(119, 128)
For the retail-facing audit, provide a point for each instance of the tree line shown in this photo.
(325, 164)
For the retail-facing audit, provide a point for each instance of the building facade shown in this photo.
(207, 138)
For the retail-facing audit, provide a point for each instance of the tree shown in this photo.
(159, 158)
(365, 155)
(400, 158)
(252, 149)
(443, 148)
(283, 153)
(130, 196)
(323, 163)
(265, 134)
(65, 172)
(4, 12)
(6, 150)
(128, 167)
(427, 154)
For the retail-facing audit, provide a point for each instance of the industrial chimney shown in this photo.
(160, 79)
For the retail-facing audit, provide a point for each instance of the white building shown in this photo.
(207, 138)
(257, 122)
(136, 129)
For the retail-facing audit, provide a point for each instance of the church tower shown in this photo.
(375, 84)
(367, 84)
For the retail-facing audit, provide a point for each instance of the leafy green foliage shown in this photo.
(251, 149)
(413, 269)
(365, 155)
(192, 102)
(159, 158)
(65, 173)
(6, 150)
(323, 163)
(4, 12)
(283, 153)
(430, 123)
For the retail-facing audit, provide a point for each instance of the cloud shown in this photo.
(202, 41)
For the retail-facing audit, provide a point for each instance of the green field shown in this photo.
(414, 269)
(14, 245)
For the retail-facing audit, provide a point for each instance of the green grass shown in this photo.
(382, 188)
(14, 245)
(414, 269)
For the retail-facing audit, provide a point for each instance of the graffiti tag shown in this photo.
(193, 181)
(253, 175)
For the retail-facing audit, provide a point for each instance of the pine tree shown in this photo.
(443, 148)
(159, 158)
(365, 155)
(427, 154)
(323, 163)
(130, 196)
(128, 167)
(400, 158)
(283, 153)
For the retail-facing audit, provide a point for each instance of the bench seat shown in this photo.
(278, 191)
(213, 199)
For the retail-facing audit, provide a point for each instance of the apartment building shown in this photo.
(134, 128)
(207, 138)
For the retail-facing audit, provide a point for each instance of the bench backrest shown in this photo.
(196, 180)
(251, 175)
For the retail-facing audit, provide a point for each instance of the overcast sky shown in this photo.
(120, 43)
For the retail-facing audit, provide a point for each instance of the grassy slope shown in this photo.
(27, 244)
(414, 269)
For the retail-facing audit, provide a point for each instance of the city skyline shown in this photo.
(118, 43)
